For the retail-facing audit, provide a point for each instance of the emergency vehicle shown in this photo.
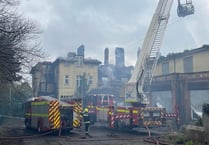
(104, 112)
(46, 113)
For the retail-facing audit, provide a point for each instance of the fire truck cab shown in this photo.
(98, 99)
(94, 101)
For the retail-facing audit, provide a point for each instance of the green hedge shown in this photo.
(205, 108)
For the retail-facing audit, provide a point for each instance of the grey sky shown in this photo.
(98, 24)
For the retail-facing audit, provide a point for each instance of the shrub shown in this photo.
(193, 143)
(179, 140)
(199, 122)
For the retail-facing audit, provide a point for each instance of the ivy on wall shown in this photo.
(205, 108)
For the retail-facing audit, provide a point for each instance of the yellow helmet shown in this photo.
(86, 110)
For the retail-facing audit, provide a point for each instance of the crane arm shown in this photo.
(149, 53)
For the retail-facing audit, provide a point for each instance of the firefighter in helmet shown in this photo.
(86, 120)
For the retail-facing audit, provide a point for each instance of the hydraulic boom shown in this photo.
(149, 53)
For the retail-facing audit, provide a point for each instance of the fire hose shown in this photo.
(154, 140)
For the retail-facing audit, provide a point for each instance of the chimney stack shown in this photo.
(119, 57)
(80, 51)
(106, 56)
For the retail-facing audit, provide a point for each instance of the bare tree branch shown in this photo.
(19, 46)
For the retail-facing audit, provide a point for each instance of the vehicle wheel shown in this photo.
(27, 123)
(120, 125)
(117, 125)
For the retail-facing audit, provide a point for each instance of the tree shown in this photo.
(19, 50)
(18, 94)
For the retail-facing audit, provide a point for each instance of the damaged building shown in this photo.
(67, 77)
(181, 83)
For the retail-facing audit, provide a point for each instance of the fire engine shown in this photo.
(46, 113)
(138, 113)
(104, 111)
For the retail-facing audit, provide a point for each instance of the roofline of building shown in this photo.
(180, 74)
(86, 61)
(40, 63)
(185, 53)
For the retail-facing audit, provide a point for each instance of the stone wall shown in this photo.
(197, 133)
(206, 126)
(206, 122)
(194, 133)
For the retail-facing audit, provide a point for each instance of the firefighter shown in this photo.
(86, 120)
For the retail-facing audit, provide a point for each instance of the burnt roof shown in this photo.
(73, 60)
(185, 53)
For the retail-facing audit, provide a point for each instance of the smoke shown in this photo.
(197, 25)
(192, 28)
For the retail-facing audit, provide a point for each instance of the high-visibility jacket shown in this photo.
(86, 117)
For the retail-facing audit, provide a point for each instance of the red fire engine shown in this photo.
(103, 111)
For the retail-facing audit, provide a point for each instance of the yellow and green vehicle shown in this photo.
(46, 113)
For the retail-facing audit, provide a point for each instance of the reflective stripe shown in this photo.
(101, 108)
(152, 123)
(77, 108)
(36, 114)
(76, 122)
(123, 110)
(39, 103)
(87, 122)
(135, 111)
(54, 115)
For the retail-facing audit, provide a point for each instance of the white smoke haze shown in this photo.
(98, 25)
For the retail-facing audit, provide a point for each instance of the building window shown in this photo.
(90, 80)
(188, 64)
(43, 86)
(80, 61)
(64, 97)
(66, 80)
(78, 81)
(165, 68)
